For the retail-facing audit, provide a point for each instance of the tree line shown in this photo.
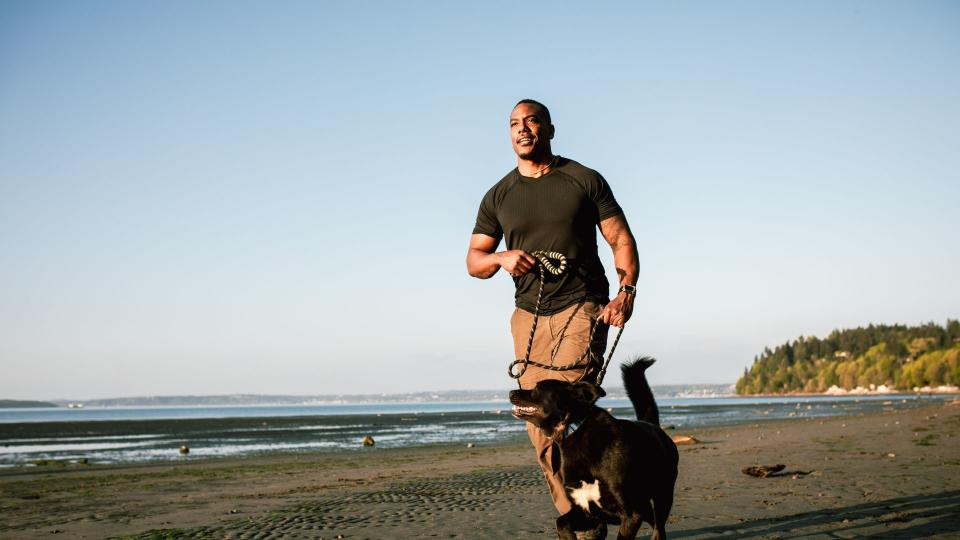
(897, 356)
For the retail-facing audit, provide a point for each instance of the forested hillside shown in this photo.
(900, 357)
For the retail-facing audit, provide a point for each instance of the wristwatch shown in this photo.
(629, 289)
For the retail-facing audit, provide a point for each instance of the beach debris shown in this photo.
(184, 450)
(896, 517)
(667, 426)
(891, 454)
(470, 445)
(49, 463)
(763, 471)
(767, 471)
(368, 441)
(684, 439)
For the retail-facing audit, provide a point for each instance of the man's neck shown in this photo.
(536, 166)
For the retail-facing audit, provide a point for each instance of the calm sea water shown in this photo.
(137, 434)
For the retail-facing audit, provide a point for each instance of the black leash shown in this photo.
(546, 264)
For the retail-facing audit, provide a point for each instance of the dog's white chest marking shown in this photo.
(585, 494)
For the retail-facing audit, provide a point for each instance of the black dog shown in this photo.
(615, 471)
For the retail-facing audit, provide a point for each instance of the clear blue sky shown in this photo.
(267, 197)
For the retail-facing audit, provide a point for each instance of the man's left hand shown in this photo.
(618, 311)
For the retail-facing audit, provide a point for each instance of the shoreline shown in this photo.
(859, 392)
(897, 464)
(131, 440)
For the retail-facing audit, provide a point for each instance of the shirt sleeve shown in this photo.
(601, 195)
(487, 222)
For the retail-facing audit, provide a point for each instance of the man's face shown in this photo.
(529, 131)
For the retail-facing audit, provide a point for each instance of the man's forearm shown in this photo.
(481, 264)
(617, 233)
(626, 260)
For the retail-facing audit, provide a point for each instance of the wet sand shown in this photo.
(894, 474)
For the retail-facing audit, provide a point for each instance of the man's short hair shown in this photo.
(535, 103)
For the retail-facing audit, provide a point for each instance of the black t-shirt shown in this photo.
(557, 212)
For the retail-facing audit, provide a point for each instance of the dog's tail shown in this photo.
(638, 390)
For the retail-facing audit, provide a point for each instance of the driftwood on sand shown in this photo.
(765, 471)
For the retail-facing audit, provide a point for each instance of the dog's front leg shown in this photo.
(565, 529)
(629, 526)
(570, 522)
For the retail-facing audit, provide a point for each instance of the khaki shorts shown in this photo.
(558, 343)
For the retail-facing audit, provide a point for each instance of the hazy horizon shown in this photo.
(617, 387)
(224, 198)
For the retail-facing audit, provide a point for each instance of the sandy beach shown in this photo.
(894, 474)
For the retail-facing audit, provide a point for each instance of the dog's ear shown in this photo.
(587, 392)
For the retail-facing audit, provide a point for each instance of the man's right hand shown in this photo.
(516, 262)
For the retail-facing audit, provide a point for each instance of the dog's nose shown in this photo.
(515, 397)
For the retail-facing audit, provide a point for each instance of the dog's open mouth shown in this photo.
(523, 411)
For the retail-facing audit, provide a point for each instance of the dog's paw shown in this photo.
(597, 533)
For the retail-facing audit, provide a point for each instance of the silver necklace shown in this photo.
(538, 172)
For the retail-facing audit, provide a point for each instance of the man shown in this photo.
(551, 203)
